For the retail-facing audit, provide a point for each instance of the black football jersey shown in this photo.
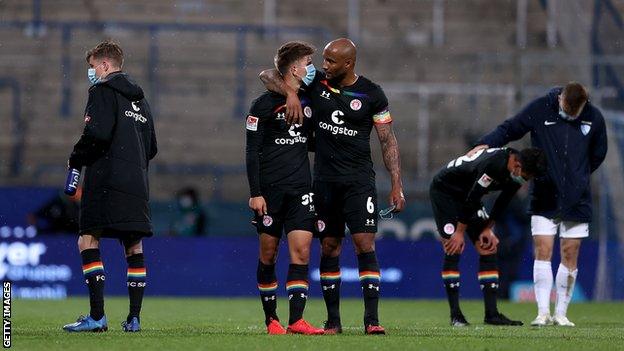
(468, 179)
(276, 153)
(343, 119)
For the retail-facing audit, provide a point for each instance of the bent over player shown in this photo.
(456, 193)
(572, 132)
(278, 171)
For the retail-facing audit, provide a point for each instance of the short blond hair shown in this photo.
(107, 49)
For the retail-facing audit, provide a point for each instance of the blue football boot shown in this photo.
(133, 326)
(87, 324)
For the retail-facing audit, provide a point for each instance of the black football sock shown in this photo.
(136, 284)
(369, 280)
(297, 288)
(488, 280)
(93, 271)
(267, 285)
(450, 276)
(330, 283)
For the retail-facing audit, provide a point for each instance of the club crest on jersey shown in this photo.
(485, 180)
(320, 225)
(252, 123)
(307, 111)
(449, 228)
(355, 104)
(267, 220)
(325, 94)
(585, 129)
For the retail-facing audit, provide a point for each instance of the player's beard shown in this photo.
(337, 79)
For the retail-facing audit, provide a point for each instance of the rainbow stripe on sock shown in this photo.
(93, 268)
(488, 276)
(330, 276)
(267, 288)
(450, 275)
(370, 275)
(296, 285)
(137, 273)
(338, 91)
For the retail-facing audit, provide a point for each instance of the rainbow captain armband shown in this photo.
(382, 117)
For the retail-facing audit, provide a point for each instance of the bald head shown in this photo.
(339, 61)
(342, 47)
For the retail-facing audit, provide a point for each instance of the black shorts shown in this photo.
(447, 210)
(351, 203)
(287, 210)
(125, 237)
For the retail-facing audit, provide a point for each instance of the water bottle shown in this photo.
(71, 184)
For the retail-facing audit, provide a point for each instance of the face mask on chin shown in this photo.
(565, 116)
(518, 178)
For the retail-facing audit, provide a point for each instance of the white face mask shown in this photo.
(186, 202)
(566, 116)
(518, 178)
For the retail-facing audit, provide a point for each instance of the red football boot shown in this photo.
(303, 327)
(374, 329)
(275, 328)
(332, 328)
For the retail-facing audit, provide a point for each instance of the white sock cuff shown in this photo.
(563, 269)
(542, 264)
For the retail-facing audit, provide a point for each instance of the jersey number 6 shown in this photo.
(370, 206)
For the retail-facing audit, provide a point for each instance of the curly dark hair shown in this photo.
(533, 161)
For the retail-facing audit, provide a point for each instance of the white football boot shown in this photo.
(562, 321)
(542, 320)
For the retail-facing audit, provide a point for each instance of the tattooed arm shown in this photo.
(392, 160)
(273, 81)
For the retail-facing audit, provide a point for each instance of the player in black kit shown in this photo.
(346, 107)
(278, 170)
(456, 193)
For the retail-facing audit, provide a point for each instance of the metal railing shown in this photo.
(155, 29)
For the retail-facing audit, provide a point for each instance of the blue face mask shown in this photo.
(93, 78)
(310, 73)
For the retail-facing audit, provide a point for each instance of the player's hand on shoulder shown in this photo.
(476, 149)
(397, 199)
(294, 112)
(258, 205)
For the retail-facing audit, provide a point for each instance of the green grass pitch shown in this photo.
(237, 324)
